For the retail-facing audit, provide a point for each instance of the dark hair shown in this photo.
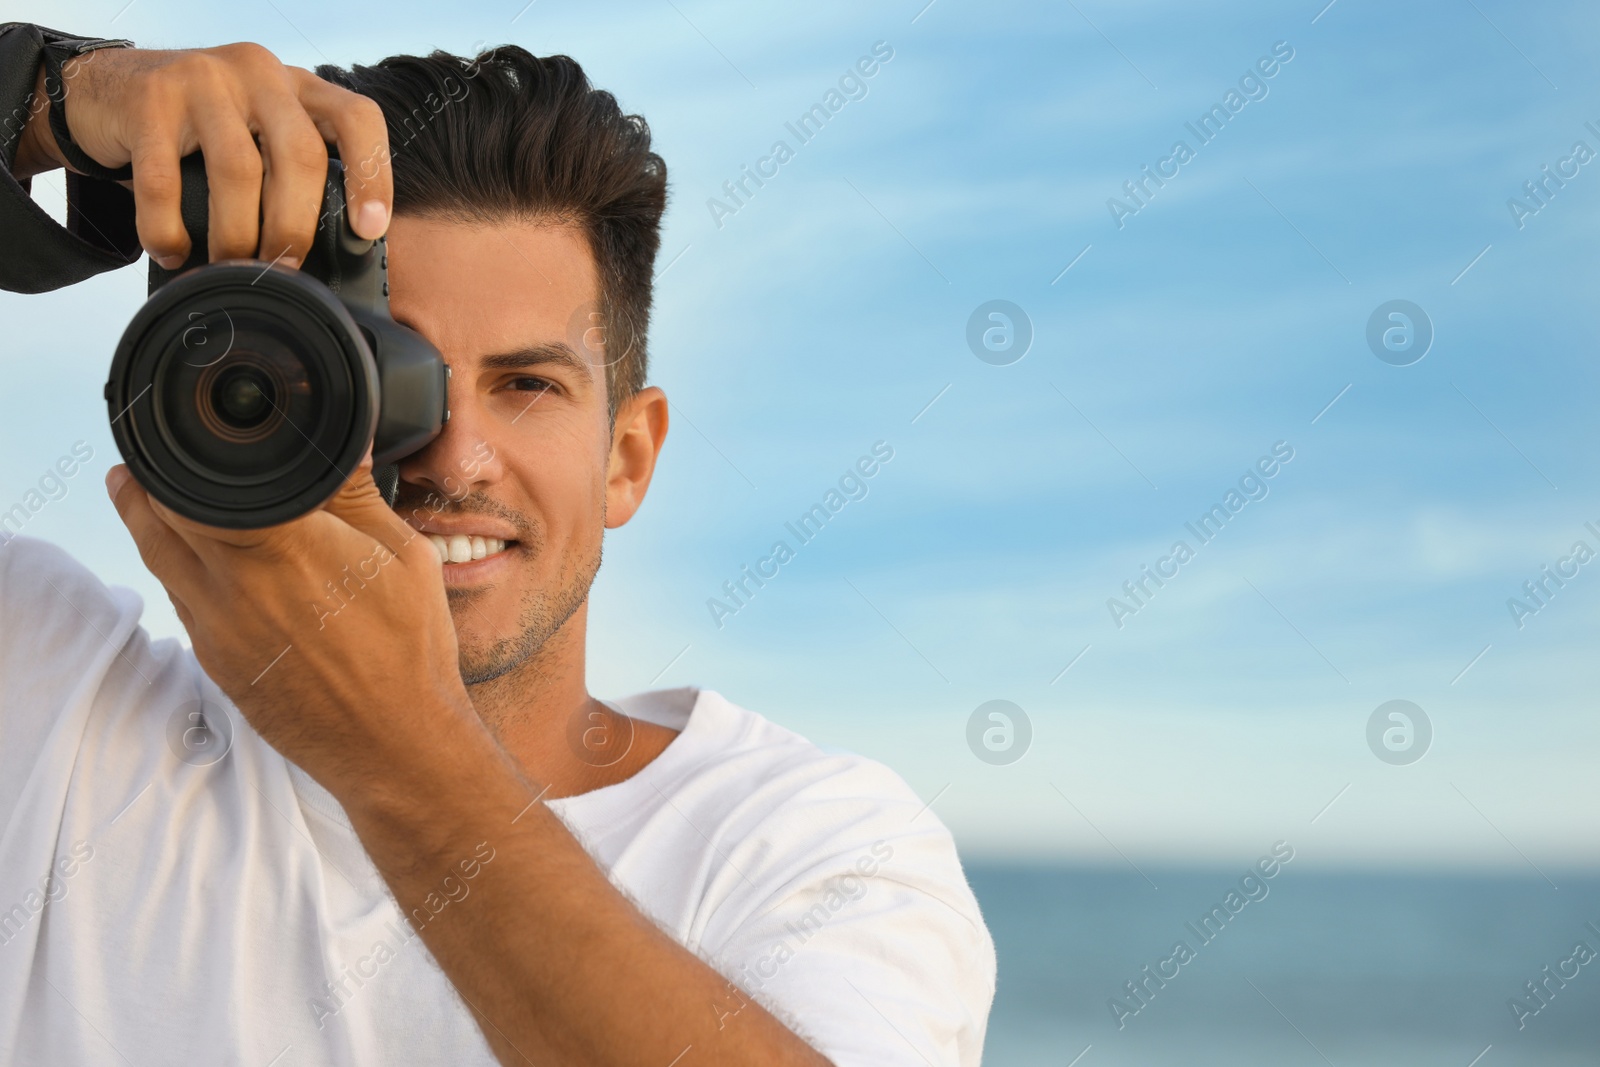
(511, 135)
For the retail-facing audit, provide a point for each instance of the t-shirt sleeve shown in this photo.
(872, 949)
(62, 631)
(40, 254)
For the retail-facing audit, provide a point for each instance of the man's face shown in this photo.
(524, 457)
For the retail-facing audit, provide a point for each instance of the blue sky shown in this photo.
(1221, 318)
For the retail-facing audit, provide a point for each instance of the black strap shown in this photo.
(193, 200)
(56, 53)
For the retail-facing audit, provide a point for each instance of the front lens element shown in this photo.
(256, 409)
(244, 397)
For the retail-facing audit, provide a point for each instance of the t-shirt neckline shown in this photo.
(682, 708)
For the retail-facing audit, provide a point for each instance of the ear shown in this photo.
(636, 441)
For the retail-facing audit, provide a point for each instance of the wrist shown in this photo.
(421, 803)
(36, 145)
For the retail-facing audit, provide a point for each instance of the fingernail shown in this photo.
(170, 262)
(372, 220)
(116, 478)
(292, 262)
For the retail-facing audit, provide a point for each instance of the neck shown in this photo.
(565, 740)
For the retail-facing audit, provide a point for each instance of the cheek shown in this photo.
(558, 465)
(563, 496)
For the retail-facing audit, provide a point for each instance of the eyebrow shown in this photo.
(556, 352)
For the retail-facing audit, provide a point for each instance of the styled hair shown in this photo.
(510, 135)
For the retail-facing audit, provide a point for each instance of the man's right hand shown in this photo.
(152, 108)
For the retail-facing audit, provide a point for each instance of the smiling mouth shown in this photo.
(466, 548)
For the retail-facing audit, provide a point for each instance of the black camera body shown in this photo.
(244, 393)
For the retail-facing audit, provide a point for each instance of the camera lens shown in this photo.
(255, 408)
(239, 398)
(243, 396)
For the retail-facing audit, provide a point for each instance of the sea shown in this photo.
(1323, 969)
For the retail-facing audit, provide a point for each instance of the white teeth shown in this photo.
(463, 548)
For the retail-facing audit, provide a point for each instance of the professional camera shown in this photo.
(244, 393)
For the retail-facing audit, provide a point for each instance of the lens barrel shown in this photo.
(243, 395)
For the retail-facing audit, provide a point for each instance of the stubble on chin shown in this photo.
(488, 656)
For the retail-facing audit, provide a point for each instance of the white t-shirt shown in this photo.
(158, 910)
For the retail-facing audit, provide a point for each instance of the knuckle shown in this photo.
(251, 56)
(202, 70)
(152, 89)
(307, 154)
(367, 109)
(367, 116)
(155, 110)
(237, 162)
(291, 210)
(157, 184)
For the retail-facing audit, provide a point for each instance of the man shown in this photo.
(423, 841)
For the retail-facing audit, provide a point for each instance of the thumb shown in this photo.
(166, 553)
(359, 503)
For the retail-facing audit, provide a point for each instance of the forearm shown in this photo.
(558, 966)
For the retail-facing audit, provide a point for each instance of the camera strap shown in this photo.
(56, 52)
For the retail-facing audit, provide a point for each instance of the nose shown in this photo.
(462, 458)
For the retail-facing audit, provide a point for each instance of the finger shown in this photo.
(357, 125)
(158, 189)
(202, 539)
(359, 504)
(296, 167)
(164, 552)
(219, 545)
(233, 174)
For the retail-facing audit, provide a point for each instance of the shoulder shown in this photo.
(751, 772)
(788, 815)
(68, 645)
(48, 598)
(838, 896)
